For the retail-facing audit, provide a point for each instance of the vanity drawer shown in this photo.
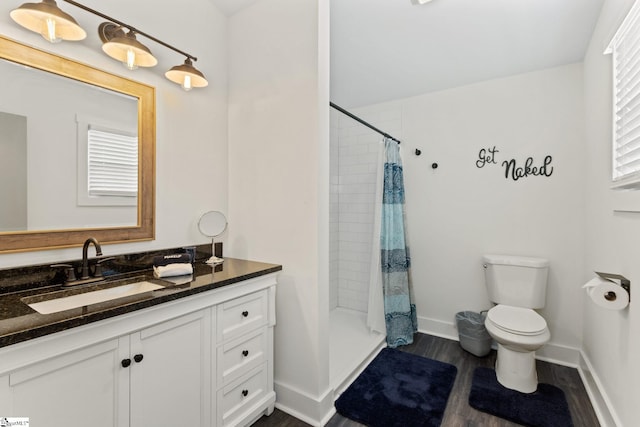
(238, 397)
(242, 315)
(239, 356)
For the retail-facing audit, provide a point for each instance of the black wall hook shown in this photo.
(433, 165)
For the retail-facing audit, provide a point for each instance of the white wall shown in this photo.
(610, 338)
(191, 150)
(458, 212)
(279, 181)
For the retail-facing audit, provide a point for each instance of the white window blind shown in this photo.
(625, 50)
(112, 163)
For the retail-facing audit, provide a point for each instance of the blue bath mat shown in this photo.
(399, 389)
(546, 407)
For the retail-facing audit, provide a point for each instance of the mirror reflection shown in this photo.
(70, 145)
(212, 223)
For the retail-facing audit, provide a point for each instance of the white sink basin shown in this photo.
(80, 300)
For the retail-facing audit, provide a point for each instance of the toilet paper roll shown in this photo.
(607, 294)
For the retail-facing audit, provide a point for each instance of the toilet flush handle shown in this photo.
(484, 265)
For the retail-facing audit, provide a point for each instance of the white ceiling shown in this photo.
(390, 49)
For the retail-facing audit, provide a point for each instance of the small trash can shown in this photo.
(474, 337)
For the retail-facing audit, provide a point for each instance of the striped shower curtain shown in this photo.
(400, 312)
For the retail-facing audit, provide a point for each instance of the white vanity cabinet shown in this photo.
(203, 360)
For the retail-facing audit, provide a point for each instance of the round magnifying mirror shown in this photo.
(212, 224)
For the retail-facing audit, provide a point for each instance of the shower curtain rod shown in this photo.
(359, 120)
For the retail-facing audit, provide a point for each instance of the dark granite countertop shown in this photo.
(18, 322)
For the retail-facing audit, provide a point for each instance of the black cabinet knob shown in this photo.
(245, 353)
(138, 358)
(245, 392)
(125, 363)
(245, 313)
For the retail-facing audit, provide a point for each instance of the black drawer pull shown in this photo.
(138, 358)
(125, 363)
(245, 314)
(245, 392)
(245, 353)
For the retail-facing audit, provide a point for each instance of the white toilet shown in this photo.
(517, 285)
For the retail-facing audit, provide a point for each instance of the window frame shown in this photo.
(621, 83)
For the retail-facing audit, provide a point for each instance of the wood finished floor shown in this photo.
(458, 412)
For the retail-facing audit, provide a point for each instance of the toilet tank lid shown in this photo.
(522, 261)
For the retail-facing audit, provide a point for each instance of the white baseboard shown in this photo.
(438, 328)
(559, 354)
(553, 353)
(599, 399)
(315, 411)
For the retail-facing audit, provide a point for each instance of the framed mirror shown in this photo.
(58, 120)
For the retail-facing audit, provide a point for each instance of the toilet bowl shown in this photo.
(519, 332)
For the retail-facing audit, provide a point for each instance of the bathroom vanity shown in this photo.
(196, 353)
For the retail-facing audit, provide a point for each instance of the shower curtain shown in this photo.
(393, 260)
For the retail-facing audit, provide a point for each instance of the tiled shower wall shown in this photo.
(354, 158)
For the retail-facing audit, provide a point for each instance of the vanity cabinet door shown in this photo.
(75, 389)
(169, 373)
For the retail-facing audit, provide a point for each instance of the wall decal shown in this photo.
(487, 156)
(511, 170)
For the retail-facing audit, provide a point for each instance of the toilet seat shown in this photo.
(517, 320)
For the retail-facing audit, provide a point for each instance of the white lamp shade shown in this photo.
(33, 16)
(119, 47)
(194, 77)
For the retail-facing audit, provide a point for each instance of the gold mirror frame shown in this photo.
(22, 241)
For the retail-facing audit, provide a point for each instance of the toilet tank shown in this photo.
(515, 280)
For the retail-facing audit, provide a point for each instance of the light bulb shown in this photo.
(131, 60)
(186, 83)
(49, 31)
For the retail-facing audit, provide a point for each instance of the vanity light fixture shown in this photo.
(124, 47)
(186, 75)
(47, 19)
(55, 25)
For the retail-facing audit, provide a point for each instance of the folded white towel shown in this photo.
(180, 280)
(214, 260)
(172, 270)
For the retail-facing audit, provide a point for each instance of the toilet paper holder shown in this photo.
(617, 278)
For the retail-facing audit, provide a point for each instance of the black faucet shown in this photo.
(85, 260)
